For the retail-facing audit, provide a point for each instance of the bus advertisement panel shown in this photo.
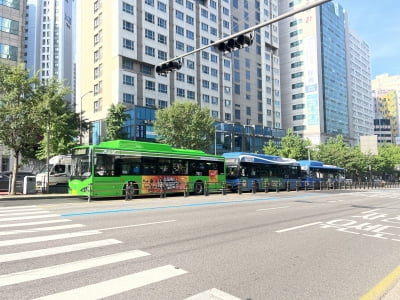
(250, 170)
(106, 169)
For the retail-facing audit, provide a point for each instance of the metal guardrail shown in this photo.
(223, 188)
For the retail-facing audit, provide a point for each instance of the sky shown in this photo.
(377, 22)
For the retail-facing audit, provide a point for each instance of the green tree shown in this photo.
(20, 120)
(270, 148)
(115, 119)
(293, 146)
(333, 152)
(58, 120)
(185, 125)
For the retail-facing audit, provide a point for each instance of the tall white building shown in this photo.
(313, 71)
(361, 102)
(49, 40)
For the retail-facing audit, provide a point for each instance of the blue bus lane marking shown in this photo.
(197, 204)
(375, 223)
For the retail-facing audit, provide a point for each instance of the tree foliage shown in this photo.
(271, 148)
(115, 119)
(29, 111)
(58, 121)
(185, 125)
(20, 124)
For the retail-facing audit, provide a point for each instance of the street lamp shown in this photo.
(308, 151)
(215, 137)
(80, 118)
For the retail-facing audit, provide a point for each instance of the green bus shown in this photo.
(106, 169)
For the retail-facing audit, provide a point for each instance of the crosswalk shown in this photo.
(30, 229)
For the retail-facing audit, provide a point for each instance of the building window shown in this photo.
(150, 51)
(180, 76)
(214, 100)
(162, 39)
(179, 30)
(150, 102)
(149, 34)
(299, 117)
(206, 98)
(190, 79)
(149, 17)
(179, 15)
(128, 98)
(191, 95)
(296, 64)
(150, 85)
(9, 26)
(297, 85)
(128, 44)
(180, 92)
(162, 88)
(162, 6)
(128, 26)
(162, 23)
(128, 80)
(127, 8)
(8, 52)
(162, 55)
(180, 46)
(162, 104)
(297, 96)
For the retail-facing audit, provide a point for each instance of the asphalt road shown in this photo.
(288, 245)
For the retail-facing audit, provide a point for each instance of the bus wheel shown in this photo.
(198, 188)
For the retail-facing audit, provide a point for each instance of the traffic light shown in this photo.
(169, 66)
(235, 43)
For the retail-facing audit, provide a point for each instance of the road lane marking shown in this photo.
(297, 227)
(40, 229)
(22, 208)
(28, 217)
(212, 294)
(23, 213)
(383, 286)
(56, 250)
(271, 208)
(47, 238)
(17, 207)
(80, 265)
(119, 285)
(136, 225)
(34, 223)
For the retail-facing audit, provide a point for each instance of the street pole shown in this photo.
(47, 186)
(80, 118)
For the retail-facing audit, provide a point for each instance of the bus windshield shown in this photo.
(81, 166)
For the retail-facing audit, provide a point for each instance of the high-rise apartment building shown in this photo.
(119, 44)
(12, 33)
(49, 42)
(313, 71)
(386, 92)
(361, 102)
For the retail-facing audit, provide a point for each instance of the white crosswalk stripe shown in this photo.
(56, 250)
(10, 225)
(118, 285)
(40, 229)
(44, 238)
(22, 220)
(80, 265)
(213, 294)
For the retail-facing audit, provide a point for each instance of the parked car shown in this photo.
(5, 180)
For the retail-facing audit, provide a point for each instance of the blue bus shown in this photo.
(250, 170)
(316, 172)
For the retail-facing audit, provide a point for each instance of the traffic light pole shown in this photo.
(250, 29)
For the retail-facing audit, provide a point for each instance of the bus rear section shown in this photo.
(107, 169)
(250, 171)
(57, 173)
(317, 174)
